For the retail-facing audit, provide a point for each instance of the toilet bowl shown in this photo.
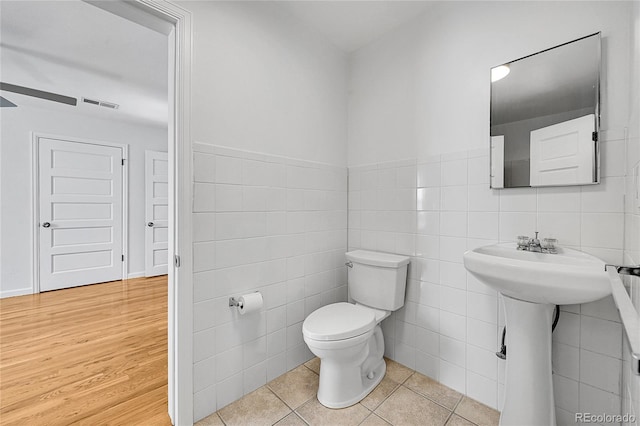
(348, 340)
(347, 337)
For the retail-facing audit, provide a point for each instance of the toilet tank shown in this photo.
(377, 279)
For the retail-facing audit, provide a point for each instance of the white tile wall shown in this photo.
(268, 224)
(631, 381)
(279, 226)
(456, 321)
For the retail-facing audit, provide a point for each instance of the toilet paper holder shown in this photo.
(233, 302)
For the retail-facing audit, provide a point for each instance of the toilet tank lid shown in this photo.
(376, 258)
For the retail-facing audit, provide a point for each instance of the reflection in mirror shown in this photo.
(545, 117)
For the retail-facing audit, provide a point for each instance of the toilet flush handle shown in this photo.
(349, 264)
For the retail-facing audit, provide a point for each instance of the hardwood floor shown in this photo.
(92, 355)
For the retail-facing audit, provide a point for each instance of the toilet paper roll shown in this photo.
(251, 302)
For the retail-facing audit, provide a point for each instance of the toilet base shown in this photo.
(368, 386)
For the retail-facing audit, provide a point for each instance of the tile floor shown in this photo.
(404, 397)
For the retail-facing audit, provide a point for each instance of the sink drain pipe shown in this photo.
(502, 353)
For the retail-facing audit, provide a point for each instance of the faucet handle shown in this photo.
(549, 244)
(523, 241)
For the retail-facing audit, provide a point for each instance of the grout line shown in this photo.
(220, 417)
(313, 371)
(289, 413)
(387, 397)
(455, 407)
(283, 401)
(300, 417)
(432, 400)
(448, 418)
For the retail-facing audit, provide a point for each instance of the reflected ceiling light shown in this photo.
(500, 72)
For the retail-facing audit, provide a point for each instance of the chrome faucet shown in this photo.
(548, 245)
(534, 244)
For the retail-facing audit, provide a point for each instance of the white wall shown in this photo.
(423, 90)
(421, 95)
(270, 136)
(266, 83)
(15, 148)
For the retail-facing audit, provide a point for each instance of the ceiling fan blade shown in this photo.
(38, 94)
(6, 103)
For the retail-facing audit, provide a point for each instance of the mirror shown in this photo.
(545, 117)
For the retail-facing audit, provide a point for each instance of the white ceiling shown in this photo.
(350, 25)
(75, 49)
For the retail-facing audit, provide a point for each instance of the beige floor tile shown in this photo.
(314, 365)
(380, 393)
(459, 421)
(260, 407)
(477, 413)
(397, 372)
(433, 390)
(374, 420)
(315, 413)
(405, 407)
(295, 387)
(212, 420)
(291, 420)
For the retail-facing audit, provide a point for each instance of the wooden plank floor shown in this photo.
(91, 355)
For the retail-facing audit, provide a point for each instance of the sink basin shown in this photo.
(566, 278)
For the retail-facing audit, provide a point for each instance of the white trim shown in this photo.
(135, 275)
(180, 356)
(35, 199)
(16, 292)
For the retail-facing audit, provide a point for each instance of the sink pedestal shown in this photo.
(531, 284)
(528, 385)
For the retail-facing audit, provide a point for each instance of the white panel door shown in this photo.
(80, 214)
(563, 154)
(497, 161)
(157, 213)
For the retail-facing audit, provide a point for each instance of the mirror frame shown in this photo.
(597, 109)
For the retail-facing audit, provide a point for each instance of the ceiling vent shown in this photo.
(96, 102)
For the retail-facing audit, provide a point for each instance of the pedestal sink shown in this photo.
(532, 283)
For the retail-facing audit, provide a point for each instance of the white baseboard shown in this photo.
(135, 275)
(18, 292)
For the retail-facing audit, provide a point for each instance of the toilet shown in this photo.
(347, 337)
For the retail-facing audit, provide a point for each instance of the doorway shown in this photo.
(176, 22)
(18, 252)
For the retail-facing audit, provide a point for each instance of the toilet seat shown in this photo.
(339, 321)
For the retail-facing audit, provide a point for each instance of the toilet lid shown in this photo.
(338, 321)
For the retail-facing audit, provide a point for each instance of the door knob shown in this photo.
(46, 225)
(150, 224)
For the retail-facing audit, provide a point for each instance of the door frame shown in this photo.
(180, 297)
(35, 199)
